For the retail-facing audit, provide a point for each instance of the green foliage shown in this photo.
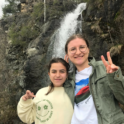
(116, 15)
(38, 11)
(11, 7)
(24, 36)
(55, 2)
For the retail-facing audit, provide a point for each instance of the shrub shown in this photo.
(24, 36)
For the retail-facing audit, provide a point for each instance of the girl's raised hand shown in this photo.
(110, 67)
(28, 95)
(66, 58)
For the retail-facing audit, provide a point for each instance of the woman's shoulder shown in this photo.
(99, 63)
(96, 63)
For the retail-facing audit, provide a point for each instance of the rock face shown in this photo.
(25, 38)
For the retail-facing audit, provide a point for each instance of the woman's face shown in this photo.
(78, 52)
(58, 74)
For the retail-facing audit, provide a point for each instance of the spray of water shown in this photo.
(69, 26)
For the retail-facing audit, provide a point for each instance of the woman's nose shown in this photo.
(78, 51)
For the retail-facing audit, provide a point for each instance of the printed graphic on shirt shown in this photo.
(81, 84)
(82, 90)
(44, 110)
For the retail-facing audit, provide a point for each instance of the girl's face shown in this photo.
(57, 74)
(78, 52)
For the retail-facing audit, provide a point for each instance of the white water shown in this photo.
(69, 25)
(44, 10)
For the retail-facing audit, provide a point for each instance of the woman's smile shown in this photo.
(75, 54)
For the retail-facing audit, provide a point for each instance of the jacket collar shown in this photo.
(92, 61)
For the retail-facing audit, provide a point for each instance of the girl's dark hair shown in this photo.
(74, 37)
(57, 60)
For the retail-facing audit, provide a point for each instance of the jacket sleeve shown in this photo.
(26, 110)
(116, 83)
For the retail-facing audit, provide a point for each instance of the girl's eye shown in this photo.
(53, 71)
(62, 71)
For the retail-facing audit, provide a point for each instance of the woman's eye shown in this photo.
(73, 49)
(82, 47)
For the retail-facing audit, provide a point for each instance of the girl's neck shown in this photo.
(83, 66)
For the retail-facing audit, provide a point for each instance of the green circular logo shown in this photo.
(44, 110)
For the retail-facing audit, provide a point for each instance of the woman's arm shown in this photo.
(116, 83)
(115, 77)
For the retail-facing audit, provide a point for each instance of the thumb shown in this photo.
(32, 94)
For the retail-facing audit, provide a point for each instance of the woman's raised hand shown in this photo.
(28, 95)
(66, 58)
(110, 67)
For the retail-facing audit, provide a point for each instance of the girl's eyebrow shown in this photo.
(53, 70)
(62, 70)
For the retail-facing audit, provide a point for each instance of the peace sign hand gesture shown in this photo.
(28, 95)
(110, 67)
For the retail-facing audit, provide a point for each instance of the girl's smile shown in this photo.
(58, 74)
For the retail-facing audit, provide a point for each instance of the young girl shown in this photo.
(53, 104)
(99, 85)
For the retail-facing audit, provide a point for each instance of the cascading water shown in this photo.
(69, 26)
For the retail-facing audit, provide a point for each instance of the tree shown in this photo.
(11, 7)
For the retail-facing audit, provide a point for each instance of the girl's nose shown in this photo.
(58, 74)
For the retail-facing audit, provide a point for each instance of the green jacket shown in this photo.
(107, 91)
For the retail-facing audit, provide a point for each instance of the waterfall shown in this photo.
(70, 25)
(44, 10)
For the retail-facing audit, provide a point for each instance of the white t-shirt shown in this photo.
(84, 109)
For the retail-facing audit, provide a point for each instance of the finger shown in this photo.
(33, 94)
(24, 98)
(109, 58)
(66, 58)
(108, 69)
(28, 92)
(104, 61)
(114, 67)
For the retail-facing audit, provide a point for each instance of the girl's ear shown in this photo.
(48, 73)
(67, 77)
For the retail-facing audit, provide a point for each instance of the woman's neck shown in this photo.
(83, 66)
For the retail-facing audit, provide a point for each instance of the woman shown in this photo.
(99, 85)
(51, 105)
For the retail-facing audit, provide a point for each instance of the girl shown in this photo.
(53, 104)
(99, 85)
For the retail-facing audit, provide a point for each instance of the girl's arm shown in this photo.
(26, 108)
